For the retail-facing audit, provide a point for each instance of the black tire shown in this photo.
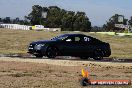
(51, 52)
(98, 54)
(39, 55)
(84, 58)
(98, 58)
(85, 82)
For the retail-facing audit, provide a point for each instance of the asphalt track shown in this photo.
(67, 62)
(28, 56)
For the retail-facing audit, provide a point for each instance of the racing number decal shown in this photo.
(86, 39)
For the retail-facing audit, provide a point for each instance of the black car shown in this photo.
(78, 45)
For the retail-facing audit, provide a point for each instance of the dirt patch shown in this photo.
(22, 73)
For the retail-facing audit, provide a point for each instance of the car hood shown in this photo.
(42, 41)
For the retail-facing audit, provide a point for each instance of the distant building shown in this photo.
(37, 27)
(15, 26)
(25, 27)
(54, 29)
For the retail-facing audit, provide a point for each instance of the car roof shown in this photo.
(75, 34)
(78, 35)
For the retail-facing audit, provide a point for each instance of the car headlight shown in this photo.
(38, 47)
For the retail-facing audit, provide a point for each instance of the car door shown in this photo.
(67, 46)
(88, 46)
(83, 46)
(78, 46)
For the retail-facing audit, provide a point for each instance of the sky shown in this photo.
(98, 11)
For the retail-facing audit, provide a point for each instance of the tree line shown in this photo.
(16, 20)
(55, 17)
(59, 18)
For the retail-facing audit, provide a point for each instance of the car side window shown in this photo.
(77, 39)
(69, 39)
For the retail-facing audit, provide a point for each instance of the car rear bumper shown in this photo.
(106, 50)
(107, 53)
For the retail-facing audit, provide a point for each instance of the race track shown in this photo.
(67, 61)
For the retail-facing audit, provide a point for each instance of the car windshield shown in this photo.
(61, 37)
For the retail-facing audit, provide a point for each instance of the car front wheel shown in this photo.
(51, 52)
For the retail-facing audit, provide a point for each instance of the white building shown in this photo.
(38, 27)
(15, 26)
(25, 27)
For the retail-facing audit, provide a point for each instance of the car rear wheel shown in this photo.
(39, 55)
(98, 54)
(51, 52)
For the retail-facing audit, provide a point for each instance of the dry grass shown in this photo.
(35, 75)
(16, 41)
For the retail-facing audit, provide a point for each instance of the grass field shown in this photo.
(24, 74)
(17, 41)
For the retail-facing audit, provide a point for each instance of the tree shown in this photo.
(130, 21)
(82, 22)
(68, 20)
(16, 20)
(0, 19)
(104, 27)
(35, 15)
(7, 20)
(115, 19)
(57, 17)
(54, 17)
(97, 29)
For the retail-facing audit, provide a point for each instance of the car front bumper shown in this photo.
(33, 51)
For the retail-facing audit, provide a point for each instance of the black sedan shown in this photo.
(77, 45)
